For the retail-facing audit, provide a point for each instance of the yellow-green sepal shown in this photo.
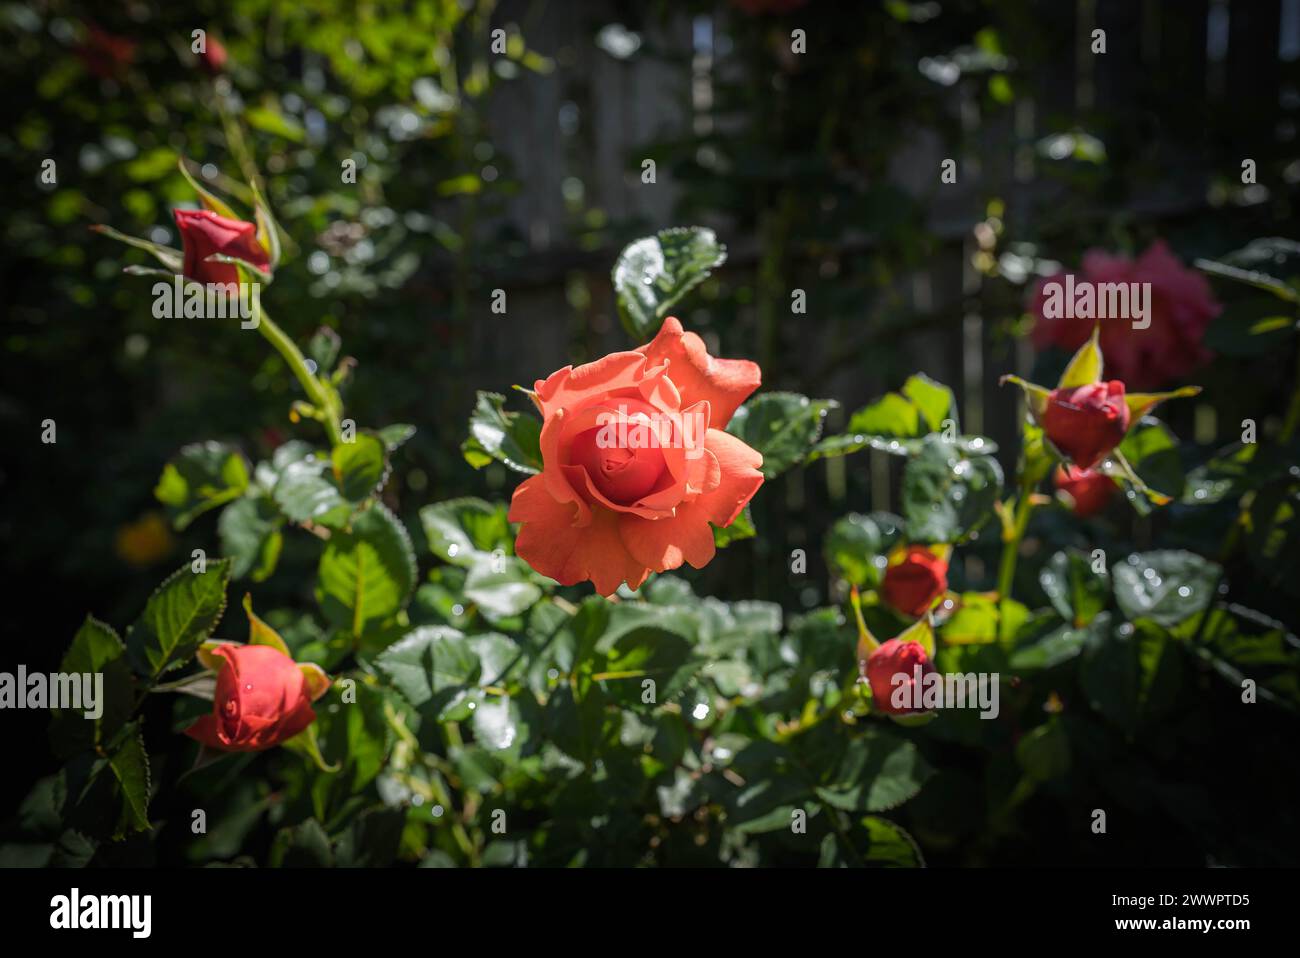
(1117, 466)
(1139, 404)
(315, 678)
(207, 654)
(922, 633)
(259, 633)
(1086, 366)
(209, 199)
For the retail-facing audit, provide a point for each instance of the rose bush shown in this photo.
(412, 683)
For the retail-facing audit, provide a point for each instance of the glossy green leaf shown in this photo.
(507, 437)
(360, 466)
(203, 475)
(1165, 586)
(783, 427)
(1074, 589)
(366, 574)
(461, 530)
(652, 275)
(946, 494)
(178, 618)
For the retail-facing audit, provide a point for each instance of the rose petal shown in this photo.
(723, 383)
(738, 478)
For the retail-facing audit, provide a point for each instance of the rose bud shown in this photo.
(914, 579)
(636, 467)
(1087, 422)
(1085, 417)
(263, 699)
(892, 658)
(204, 233)
(213, 57)
(1087, 490)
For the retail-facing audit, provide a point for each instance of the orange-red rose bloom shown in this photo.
(261, 701)
(1089, 491)
(635, 465)
(892, 658)
(1087, 422)
(911, 586)
(204, 233)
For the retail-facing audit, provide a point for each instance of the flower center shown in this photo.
(623, 457)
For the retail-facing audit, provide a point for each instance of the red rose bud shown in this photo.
(204, 233)
(262, 700)
(912, 585)
(1087, 422)
(892, 673)
(213, 56)
(1089, 491)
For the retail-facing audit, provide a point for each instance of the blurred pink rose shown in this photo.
(1181, 308)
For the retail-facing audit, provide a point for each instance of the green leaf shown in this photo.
(979, 619)
(1241, 643)
(1166, 586)
(1269, 264)
(178, 618)
(1058, 646)
(499, 726)
(323, 348)
(934, 400)
(652, 274)
(461, 530)
(360, 466)
(366, 574)
(782, 426)
(946, 494)
(898, 423)
(358, 738)
(501, 587)
(396, 435)
(1044, 752)
(1152, 452)
(1074, 589)
(1238, 469)
(249, 532)
(96, 648)
(130, 765)
(203, 476)
(856, 545)
(374, 839)
(432, 664)
(305, 494)
(886, 844)
(302, 846)
(508, 437)
(878, 771)
(1258, 326)
(742, 527)
(1130, 672)
(269, 119)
